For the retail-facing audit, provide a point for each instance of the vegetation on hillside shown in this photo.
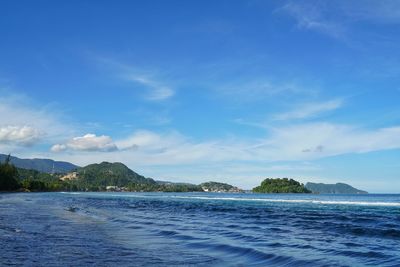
(35, 181)
(8, 176)
(280, 185)
(170, 187)
(96, 177)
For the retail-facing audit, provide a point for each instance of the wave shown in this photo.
(310, 201)
(305, 201)
(170, 229)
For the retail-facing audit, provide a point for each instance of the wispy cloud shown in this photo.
(387, 12)
(309, 110)
(311, 16)
(301, 112)
(327, 139)
(158, 92)
(336, 18)
(260, 89)
(292, 143)
(242, 161)
(157, 88)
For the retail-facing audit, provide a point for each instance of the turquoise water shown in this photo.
(199, 229)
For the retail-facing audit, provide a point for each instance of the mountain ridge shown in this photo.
(41, 165)
(338, 188)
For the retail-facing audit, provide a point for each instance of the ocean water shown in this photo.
(198, 229)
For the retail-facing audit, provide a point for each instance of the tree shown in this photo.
(8, 176)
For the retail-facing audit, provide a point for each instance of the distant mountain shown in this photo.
(339, 188)
(171, 183)
(41, 165)
(219, 187)
(280, 185)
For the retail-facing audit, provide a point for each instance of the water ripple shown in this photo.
(103, 229)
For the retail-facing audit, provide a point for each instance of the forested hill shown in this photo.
(280, 185)
(97, 177)
(41, 165)
(338, 188)
(106, 173)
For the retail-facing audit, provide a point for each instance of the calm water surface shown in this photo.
(199, 229)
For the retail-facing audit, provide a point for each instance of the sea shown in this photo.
(198, 229)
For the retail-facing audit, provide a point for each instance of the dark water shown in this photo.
(133, 229)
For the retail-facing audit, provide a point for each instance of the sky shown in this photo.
(192, 91)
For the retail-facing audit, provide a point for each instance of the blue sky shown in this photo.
(233, 91)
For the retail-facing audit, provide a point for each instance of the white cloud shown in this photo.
(88, 142)
(309, 110)
(25, 123)
(58, 148)
(22, 135)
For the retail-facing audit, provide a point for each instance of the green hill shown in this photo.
(106, 174)
(280, 185)
(97, 177)
(338, 188)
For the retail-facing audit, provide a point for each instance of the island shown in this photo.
(280, 185)
(338, 188)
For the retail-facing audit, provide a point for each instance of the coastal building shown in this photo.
(70, 176)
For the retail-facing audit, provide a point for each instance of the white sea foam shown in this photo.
(71, 193)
